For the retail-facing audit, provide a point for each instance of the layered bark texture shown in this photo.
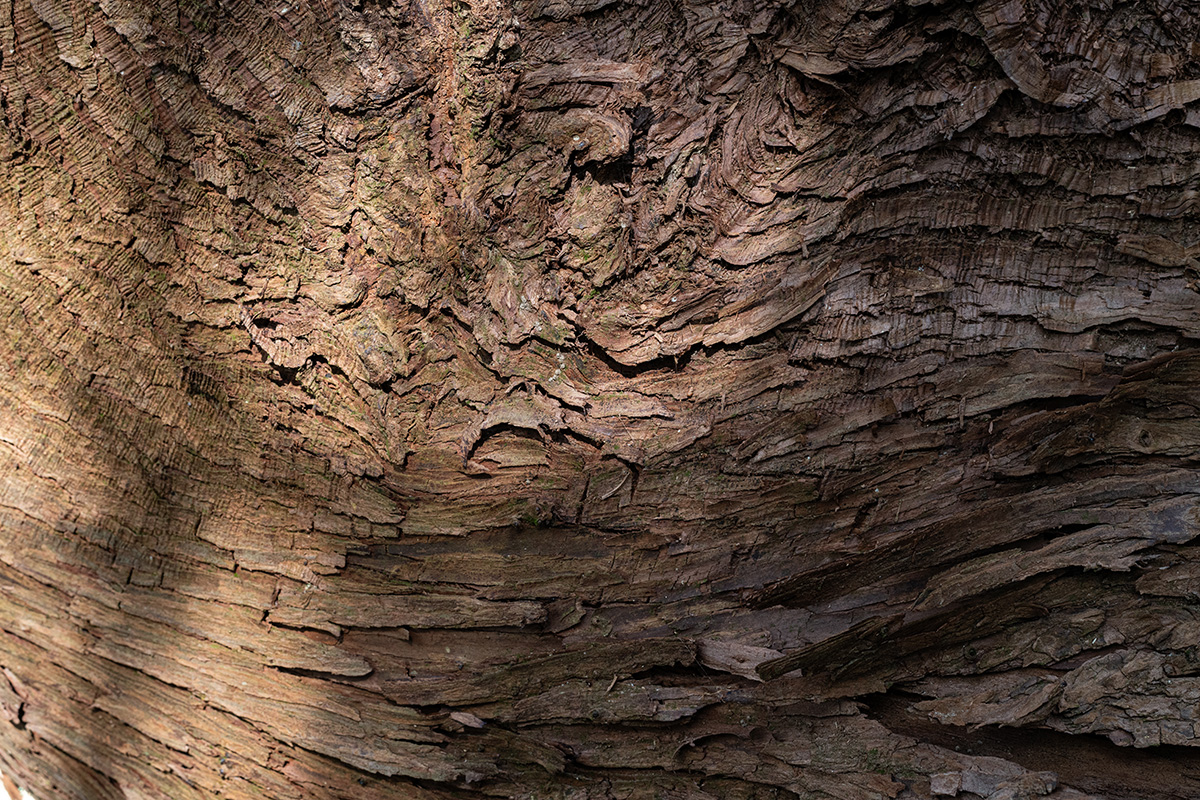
(581, 398)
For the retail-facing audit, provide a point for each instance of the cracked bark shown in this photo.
(599, 399)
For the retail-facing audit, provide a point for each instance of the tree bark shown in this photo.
(599, 399)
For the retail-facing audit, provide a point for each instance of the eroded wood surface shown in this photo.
(598, 399)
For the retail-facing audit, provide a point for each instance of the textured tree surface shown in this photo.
(598, 399)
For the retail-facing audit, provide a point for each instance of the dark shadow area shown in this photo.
(1088, 763)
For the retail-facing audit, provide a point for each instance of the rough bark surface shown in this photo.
(599, 399)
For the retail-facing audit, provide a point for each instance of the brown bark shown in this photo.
(599, 399)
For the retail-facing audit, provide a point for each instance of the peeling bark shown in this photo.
(599, 399)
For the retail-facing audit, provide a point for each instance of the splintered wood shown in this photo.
(531, 398)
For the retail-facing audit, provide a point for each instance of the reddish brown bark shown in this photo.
(598, 399)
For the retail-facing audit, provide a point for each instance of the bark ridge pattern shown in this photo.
(610, 398)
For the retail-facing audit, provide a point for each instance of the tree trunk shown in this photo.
(534, 398)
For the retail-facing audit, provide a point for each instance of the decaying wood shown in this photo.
(599, 399)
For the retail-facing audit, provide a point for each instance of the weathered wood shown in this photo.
(598, 399)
